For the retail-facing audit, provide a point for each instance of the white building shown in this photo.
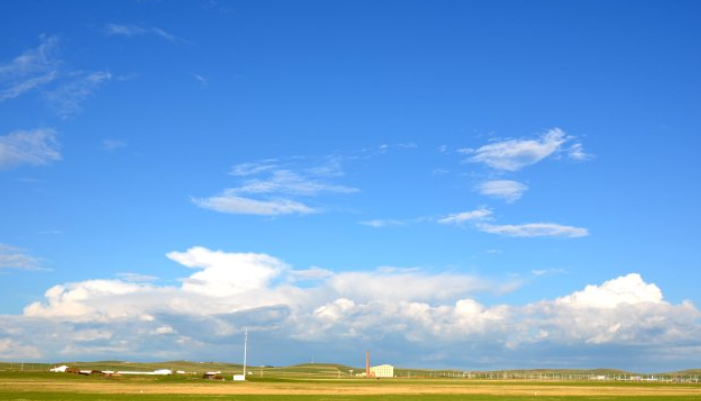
(382, 371)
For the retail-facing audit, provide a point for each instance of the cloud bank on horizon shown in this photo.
(389, 310)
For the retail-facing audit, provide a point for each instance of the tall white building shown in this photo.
(382, 371)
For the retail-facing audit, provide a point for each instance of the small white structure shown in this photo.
(59, 369)
(382, 371)
(242, 378)
(160, 372)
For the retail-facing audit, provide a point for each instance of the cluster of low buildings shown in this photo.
(88, 372)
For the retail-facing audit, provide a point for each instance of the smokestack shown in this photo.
(367, 364)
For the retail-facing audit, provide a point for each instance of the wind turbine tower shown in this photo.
(245, 355)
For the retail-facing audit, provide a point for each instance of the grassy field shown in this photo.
(28, 385)
(161, 397)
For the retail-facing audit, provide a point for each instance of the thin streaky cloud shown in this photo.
(12, 257)
(131, 30)
(124, 30)
(113, 144)
(534, 230)
(21, 87)
(507, 190)
(230, 202)
(33, 147)
(464, 217)
(165, 35)
(380, 223)
(67, 100)
(199, 78)
(30, 70)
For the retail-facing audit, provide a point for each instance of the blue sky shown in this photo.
(451, 184)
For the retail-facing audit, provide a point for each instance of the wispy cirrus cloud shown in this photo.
(534, 230)
(113, 144)
(379, 223)
(273, 188)
(41, 69)
(507, 190)
(464, 217)
(30, 70)
(231, 202)
(12, 257)
(67, 100)
(29, 147)
(514, 154)
(131, 30)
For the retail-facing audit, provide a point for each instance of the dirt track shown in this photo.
(344, 388)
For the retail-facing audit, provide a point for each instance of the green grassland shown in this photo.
(31, 382)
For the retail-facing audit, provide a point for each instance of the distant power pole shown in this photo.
(245, 351)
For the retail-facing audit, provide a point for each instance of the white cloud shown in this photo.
(199, 78)
(113, 144)
(67, 100)
(515, 154)
(18, 88)
(10, 349)
(230, 202)
(395, 310)
(15, 258)
(507, 190)
(124, 30)
(464, 217)
(164, 35)
(289, 182)
(380, 223)
(225, 274)
(534, 230)
(313, 273)
(35, 148)
(270, 188)
(130, 30)
(254, 168)
(41, 68)
(136, 277)
(32, 69)
(576, 152)
(627, 290)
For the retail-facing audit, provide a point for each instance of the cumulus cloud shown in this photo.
(507, 190)
(515, 154)
(34, 148)
(224, 273)
(394, 310)
(10, 349)
(271, 188)
(534, 230)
